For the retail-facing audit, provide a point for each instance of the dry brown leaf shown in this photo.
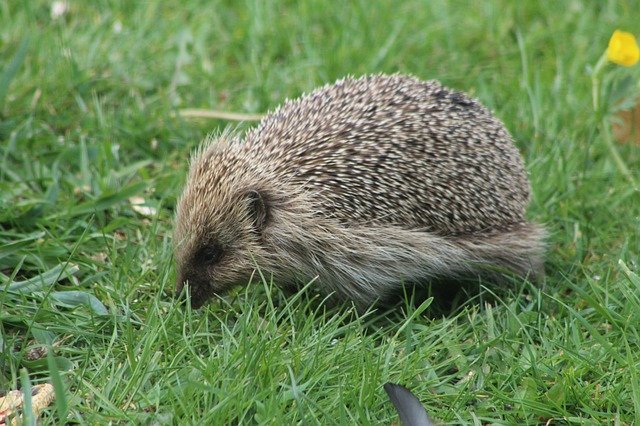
(41, 397)
(626, 125)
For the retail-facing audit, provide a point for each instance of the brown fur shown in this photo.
(361, 185)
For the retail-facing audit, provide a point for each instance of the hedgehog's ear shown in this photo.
(258, 209)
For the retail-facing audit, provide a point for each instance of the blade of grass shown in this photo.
(10, 70)
(102, 203)
(43, 281)
(62, 405)
(27, 411)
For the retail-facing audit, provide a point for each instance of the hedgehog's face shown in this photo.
(217, 237)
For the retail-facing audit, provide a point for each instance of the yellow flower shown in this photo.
(623, 49)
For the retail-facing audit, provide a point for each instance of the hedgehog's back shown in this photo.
(394, 150)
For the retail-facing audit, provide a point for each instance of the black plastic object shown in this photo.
(411, 411)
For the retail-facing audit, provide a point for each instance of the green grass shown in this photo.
(86, 122)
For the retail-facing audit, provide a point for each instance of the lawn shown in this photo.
(93, 154)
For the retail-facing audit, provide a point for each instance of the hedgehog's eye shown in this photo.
(209, 254)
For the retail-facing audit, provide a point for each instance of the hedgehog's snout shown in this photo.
(193, 287)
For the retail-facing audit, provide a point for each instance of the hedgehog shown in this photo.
(362, 186)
